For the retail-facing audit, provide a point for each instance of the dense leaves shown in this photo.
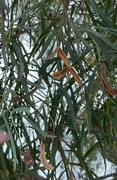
(72, 121)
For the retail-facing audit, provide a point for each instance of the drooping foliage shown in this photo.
(46, 48)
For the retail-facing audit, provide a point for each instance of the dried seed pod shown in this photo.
(60, 74)
(105, 82)
(43, 157)
(109, 142)
(44, 162)
(75, 75)
(68, 67)
(63, 57)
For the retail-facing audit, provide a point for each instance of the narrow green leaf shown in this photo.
(106, 135)
(113, 120)
(12, 142)
(104, 18)
(41, 41)
(22, 109)
(90, 13)
(24, 83)
(47, 43)
(4, 56)
(35, 85)
(70, 104)
(102, 47)
(78, 154)
(82, 137)
(88, 108)
(19, 56)
(103, 38)
(37, 128)
(28, 10)
(3, 5)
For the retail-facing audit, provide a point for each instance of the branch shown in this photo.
(108, 175)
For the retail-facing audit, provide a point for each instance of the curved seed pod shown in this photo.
(44, 162)
(43, 157)
(104, 78)
(106, 84)
(60, 74)
(63, 57)
(114, 91)
(42, 147)
(75, 75)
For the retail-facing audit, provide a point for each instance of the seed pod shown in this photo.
(63, 57)
(105, 82)
(68, 67)
(43, 157)
(60, 74)
(75, 75)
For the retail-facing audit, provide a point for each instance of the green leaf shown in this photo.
(19, 55)
(22, 109)
(3, 5)
(103, 38)
(12, 142)
(47, 43)
(36, 127)
(70, 105)
(102, 47)
(104, 18)
(88, 109)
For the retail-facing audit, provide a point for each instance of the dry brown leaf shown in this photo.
(106, 84)
(44, 162)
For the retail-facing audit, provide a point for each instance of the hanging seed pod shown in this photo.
(110, 128)
(59, 74)
(107, 86)
(43, 157)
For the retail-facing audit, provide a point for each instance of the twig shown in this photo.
(108, 175)
(30, 93)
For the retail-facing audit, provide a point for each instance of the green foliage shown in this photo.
(74, 122)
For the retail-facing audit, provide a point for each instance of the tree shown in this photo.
(58, 100)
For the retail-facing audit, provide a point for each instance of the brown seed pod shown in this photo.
(75, 75)
(62, 55)
(105, 82)
(60, 74)
(43, 157)
(68, 67)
